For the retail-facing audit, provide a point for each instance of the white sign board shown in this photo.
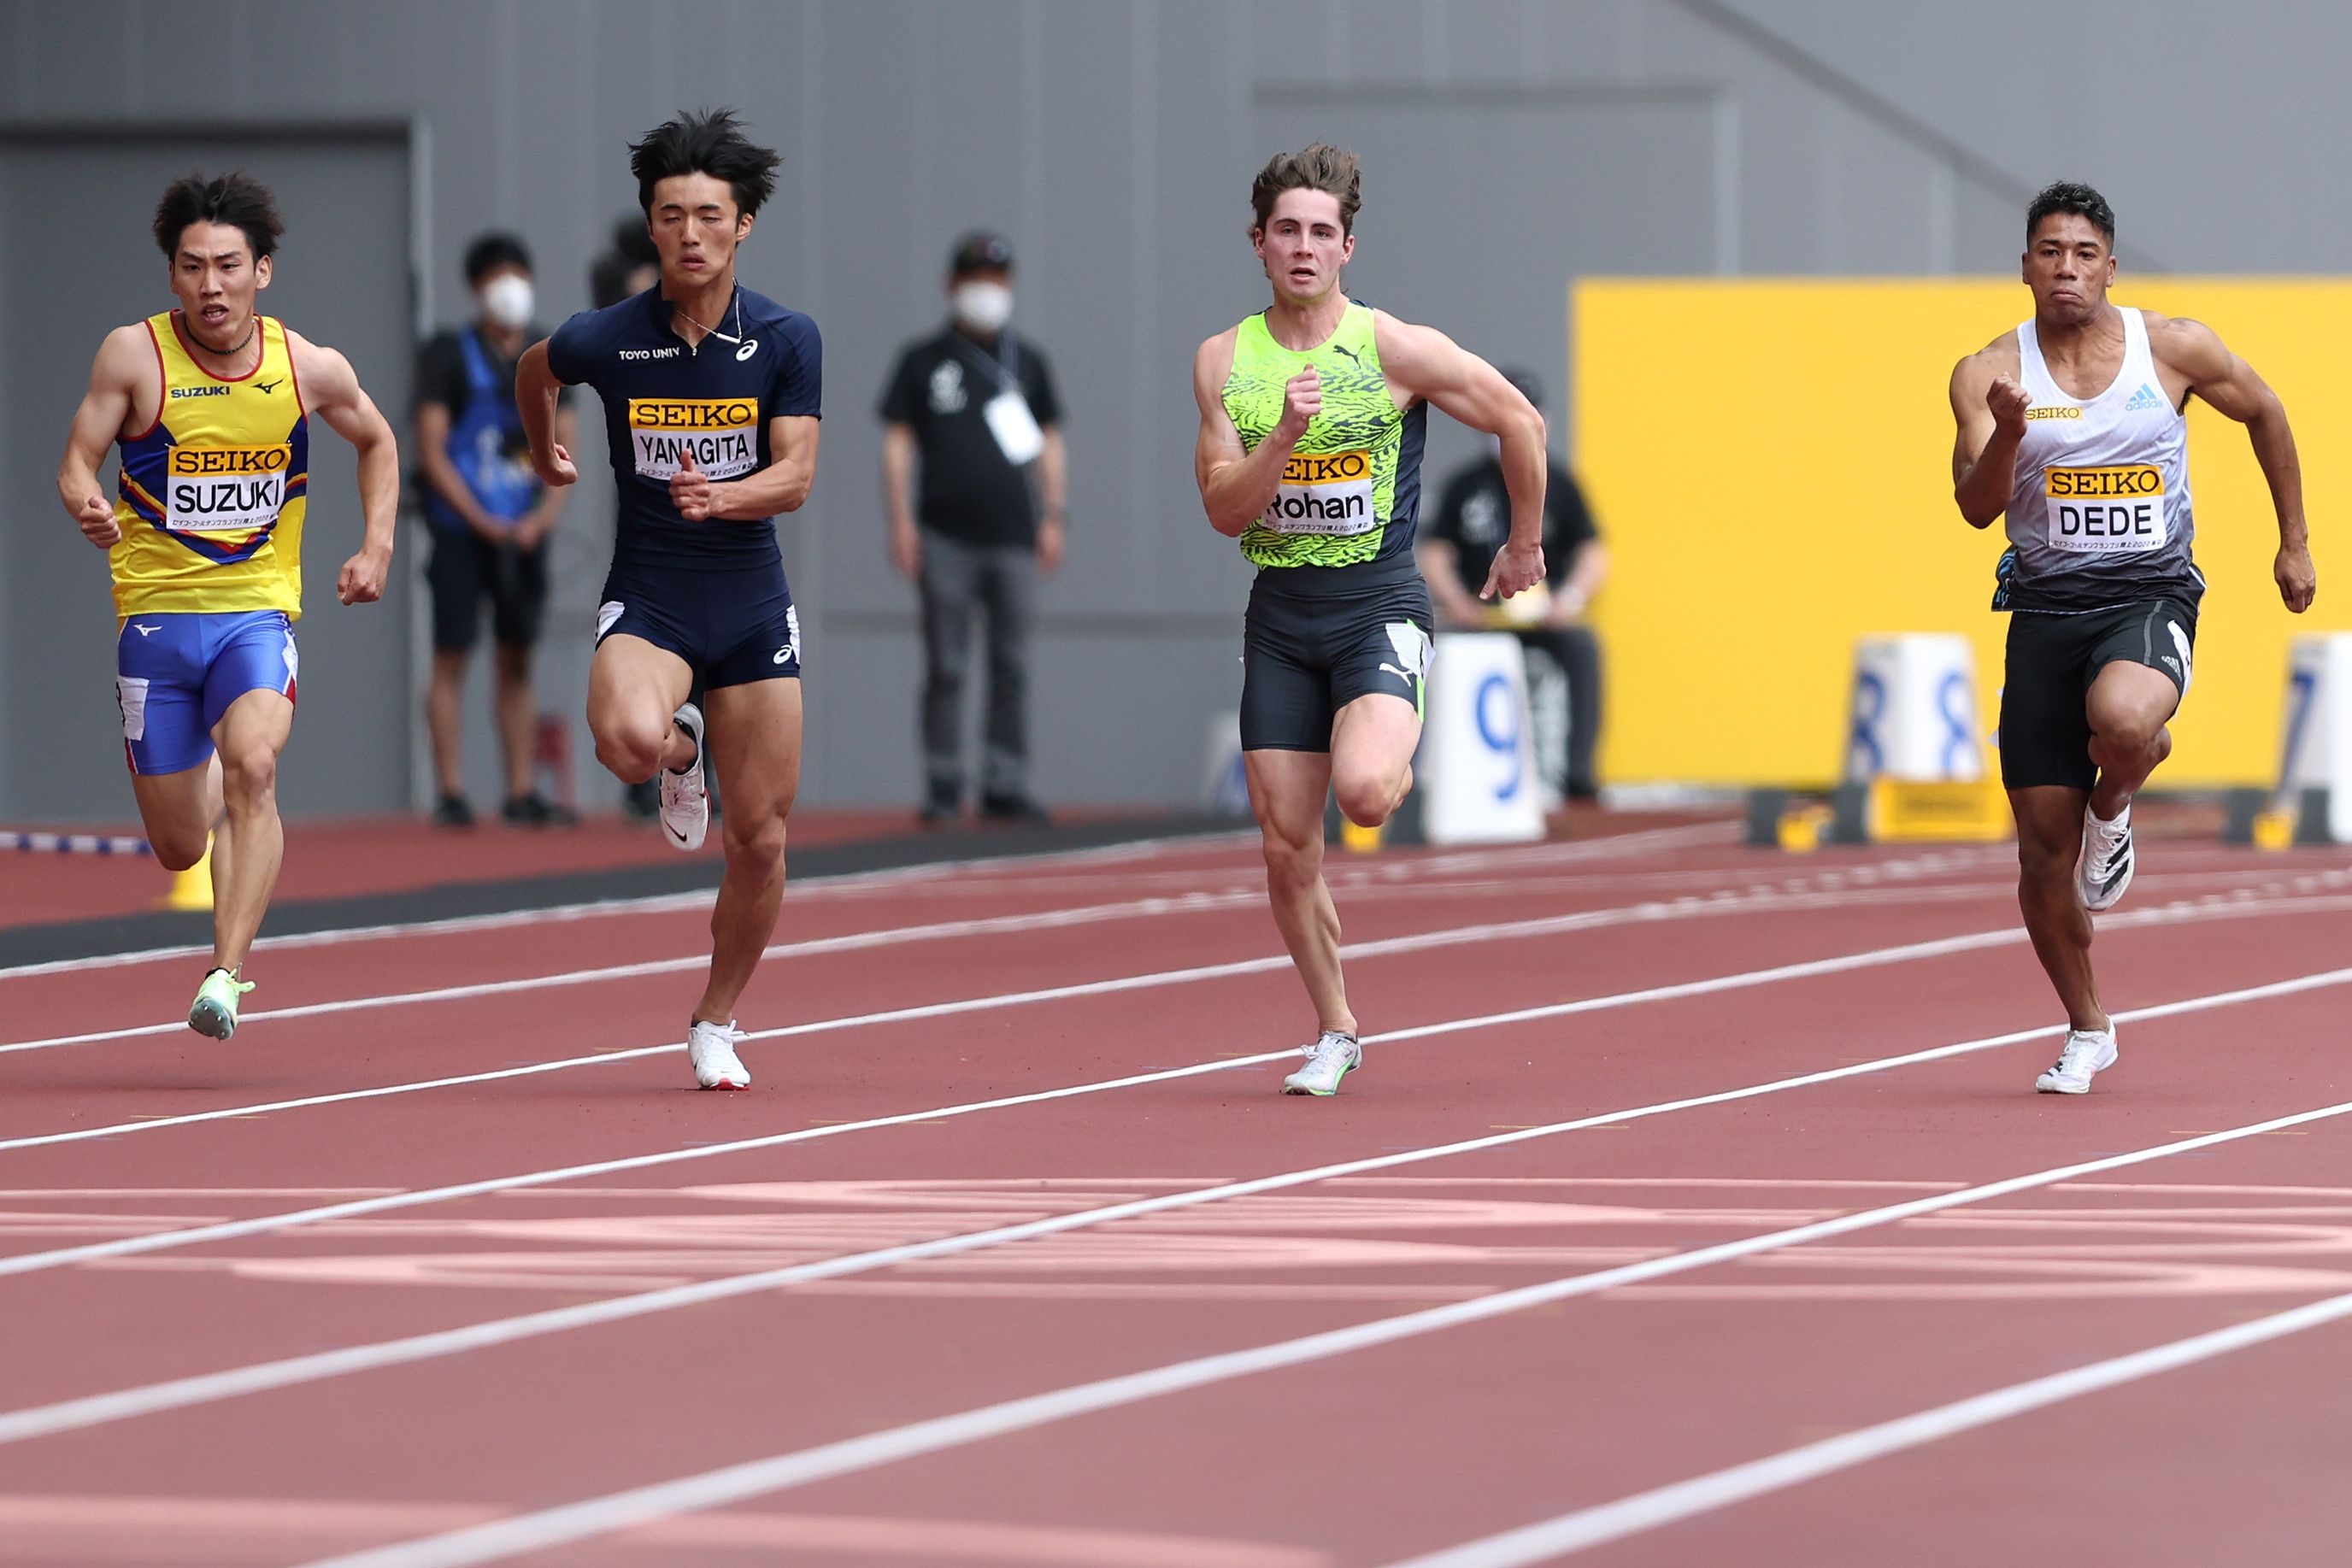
(1914, 715)
(1476, 768)
(2316, 751)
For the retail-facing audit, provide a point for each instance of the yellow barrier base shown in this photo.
(2274, 829)
(1908, 813)
(1362, 841)
(191, 888)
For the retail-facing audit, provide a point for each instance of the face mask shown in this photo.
(982, 307)
(507, 300)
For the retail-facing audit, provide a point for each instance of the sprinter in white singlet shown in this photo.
(2072, 425)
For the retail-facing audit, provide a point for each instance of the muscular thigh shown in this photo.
(633, 681)
(755, 747)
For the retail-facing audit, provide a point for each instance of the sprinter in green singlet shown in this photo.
(1311, 419)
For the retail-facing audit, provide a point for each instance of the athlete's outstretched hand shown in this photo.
(555, 467)
(95, 518)
(1302, 399)
(2008, 402)
(362, 578)
(2297, 579)
(1516, 569)
(690, 489)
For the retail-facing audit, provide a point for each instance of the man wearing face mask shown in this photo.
(1457, 550)
(977, 405)
(491, 518)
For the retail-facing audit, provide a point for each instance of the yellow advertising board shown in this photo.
(1771, 465)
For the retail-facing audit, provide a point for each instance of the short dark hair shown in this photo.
(709, 142)
(493, 251)
(234, 198)
(1322, 167)
(2066, 197)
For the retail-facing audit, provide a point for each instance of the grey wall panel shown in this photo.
(1114, 139)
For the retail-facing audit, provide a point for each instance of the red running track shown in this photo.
(1665, 1161)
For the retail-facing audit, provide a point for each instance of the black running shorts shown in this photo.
(1305, 656)
(2046, 734)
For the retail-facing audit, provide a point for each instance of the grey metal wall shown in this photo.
(1514, 144)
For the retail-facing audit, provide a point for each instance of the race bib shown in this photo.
(1324, 493)
(2105, 511)
(722, 433)
(225, 489)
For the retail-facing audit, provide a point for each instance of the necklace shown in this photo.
(231, 354)
(695, 348)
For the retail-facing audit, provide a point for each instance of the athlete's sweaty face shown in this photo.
(2069, 268)
(1303, 245)
(216, 276)
(695, 226)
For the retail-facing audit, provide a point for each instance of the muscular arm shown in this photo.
(1424, 362)
(2230, 384)
(104, 414)
(782, 486)
(1237, 485)
(331, 390)
(535, 390)
(1984, 455)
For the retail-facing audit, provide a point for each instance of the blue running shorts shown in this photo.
(174, 675)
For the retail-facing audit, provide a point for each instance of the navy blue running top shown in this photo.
(663, 399)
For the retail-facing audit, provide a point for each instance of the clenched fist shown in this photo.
(95, 518)
(2008, 402)
(1302, 399)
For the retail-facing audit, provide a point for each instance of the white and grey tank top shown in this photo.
(2100, 513)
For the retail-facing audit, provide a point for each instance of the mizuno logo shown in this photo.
(144, 631)
(270, 386)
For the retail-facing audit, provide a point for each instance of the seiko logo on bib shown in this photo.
(2103, 511)
(221, 489)
(721, 432)
(1324, 493)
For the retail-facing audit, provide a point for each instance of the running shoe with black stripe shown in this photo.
(2105, 868)
(2087, 1053)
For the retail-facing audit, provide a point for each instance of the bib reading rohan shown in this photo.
(1350, 490)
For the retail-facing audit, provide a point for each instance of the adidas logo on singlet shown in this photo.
(2148, 397)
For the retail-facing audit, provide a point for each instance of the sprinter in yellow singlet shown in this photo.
(1309, 455)
(211, 405)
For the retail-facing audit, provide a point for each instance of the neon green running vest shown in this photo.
(1352, 488)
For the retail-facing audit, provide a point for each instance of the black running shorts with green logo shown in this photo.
(1305, 656)
(2046, 734)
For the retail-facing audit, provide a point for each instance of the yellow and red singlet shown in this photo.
(212, 493)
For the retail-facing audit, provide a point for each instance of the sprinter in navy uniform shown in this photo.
(710, 405)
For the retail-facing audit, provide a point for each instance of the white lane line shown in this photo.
(1550, 925)
(1608, 847)
(1739, 1483)
(760, 1478)
(650, 904)
(179, 1393)
(1179, 903)
(934, 931)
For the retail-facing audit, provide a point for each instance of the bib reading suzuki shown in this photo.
(211, 497)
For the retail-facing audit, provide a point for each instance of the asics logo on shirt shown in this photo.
(750, 345)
